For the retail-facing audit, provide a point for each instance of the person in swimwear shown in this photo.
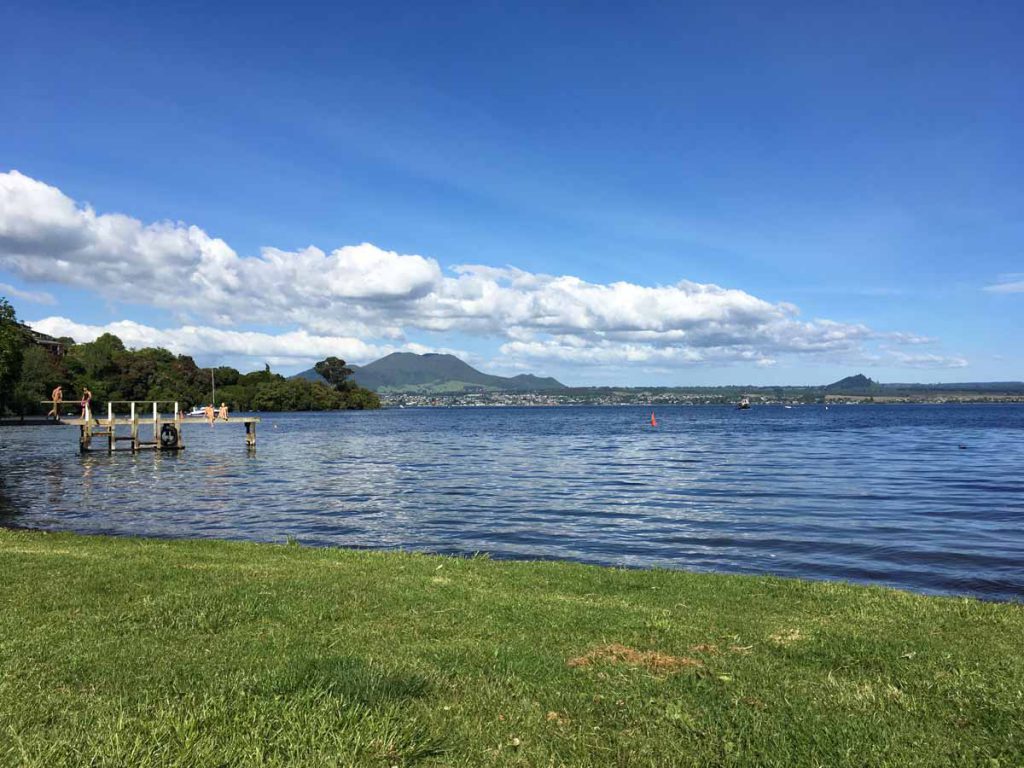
(86, 400)
(209, 414)
(223, 413)
(57, 396)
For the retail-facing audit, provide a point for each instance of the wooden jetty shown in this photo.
(167, 429)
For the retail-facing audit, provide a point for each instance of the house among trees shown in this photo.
(56, 347)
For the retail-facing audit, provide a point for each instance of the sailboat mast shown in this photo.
(213, 388)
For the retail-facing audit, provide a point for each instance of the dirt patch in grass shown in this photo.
(710, 648)
(786, 636)
(621, 654)
(557, 718)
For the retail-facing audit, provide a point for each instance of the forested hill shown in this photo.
(113, 372)
(436, 373)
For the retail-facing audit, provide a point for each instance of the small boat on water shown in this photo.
(744, 404)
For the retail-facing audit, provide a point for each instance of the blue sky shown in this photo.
(848, 177)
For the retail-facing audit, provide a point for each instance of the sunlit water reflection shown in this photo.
(878, 494)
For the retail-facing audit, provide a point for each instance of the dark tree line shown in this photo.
(28, 374)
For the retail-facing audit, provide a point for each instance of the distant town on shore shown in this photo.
(111, 371)
(410, 380)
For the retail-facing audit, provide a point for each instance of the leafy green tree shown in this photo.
(259, 377)
(237, 397)
(113, 372)
(334, 370)
(353, 397)
(361, 399)
(12, 345)
(225, 376)
(41, 371)
(97, 365)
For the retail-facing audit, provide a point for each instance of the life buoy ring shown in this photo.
(168, 436)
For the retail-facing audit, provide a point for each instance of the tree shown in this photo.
(225, 375)
(97, 365)
(12, 347)
(40, 373)
(29, 372)
(352, 396)
(334, 370)
(361, 399)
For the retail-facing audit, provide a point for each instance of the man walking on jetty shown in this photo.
(209, 414)
(57, 396)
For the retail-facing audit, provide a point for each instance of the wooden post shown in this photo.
(156, 424)
(135, 429)
(250, 434)
(111, 432)
(180, 424)
(86, 437)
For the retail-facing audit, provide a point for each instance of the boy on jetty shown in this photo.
(57, 396)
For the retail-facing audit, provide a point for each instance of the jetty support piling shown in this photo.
(111, 429)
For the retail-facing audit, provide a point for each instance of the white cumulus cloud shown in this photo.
(197, 340)
(335, 298)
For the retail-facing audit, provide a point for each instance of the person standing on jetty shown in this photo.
(86, 400)
(209, 414)
(223, 413)
(57, 396)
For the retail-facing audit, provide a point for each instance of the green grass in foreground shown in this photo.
(139, 652)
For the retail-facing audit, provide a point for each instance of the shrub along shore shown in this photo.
(117, 651)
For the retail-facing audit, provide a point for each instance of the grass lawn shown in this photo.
(136, 652)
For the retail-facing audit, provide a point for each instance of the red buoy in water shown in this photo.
(654, 421)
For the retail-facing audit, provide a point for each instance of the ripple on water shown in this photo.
(879, 494)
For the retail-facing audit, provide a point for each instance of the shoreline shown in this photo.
(6, 525)
(153, 651)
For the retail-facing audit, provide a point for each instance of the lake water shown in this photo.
(875, 494)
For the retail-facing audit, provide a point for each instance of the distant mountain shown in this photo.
(853, 385)
(862, 385)
(436, 373)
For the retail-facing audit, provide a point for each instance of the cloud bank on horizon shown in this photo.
(361, 301)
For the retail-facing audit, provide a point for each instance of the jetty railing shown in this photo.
(168, 433)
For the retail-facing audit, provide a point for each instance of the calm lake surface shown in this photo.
(876, 494)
